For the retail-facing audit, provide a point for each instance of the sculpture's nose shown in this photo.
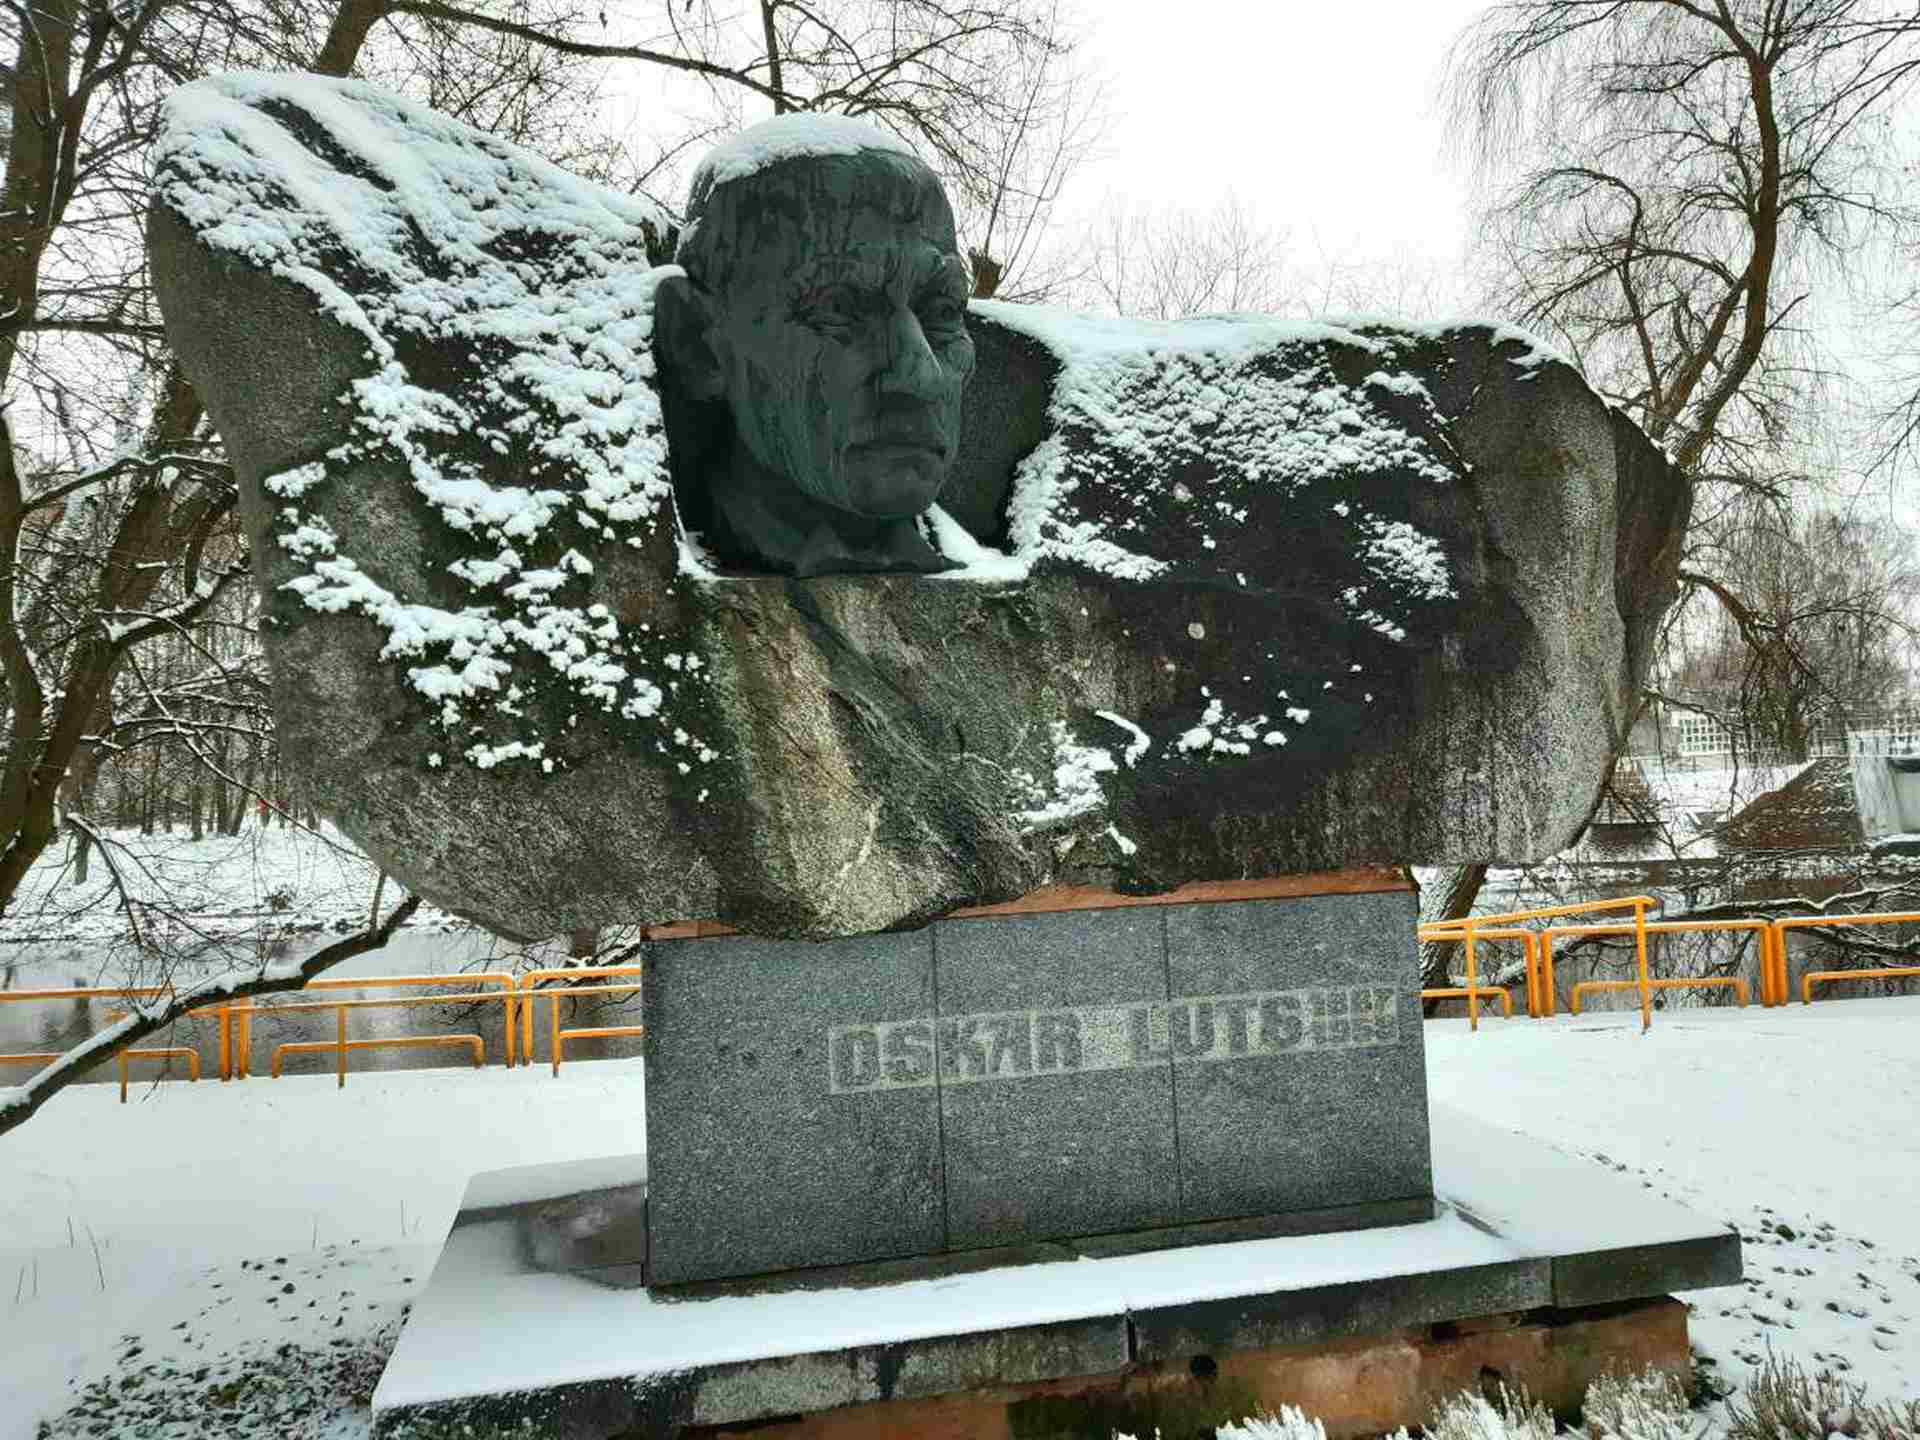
(907, 364)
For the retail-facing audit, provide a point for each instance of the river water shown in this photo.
(49, 1026)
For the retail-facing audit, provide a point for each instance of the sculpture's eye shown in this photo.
(940, 311)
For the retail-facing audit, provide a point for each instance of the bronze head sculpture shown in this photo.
(818, 342)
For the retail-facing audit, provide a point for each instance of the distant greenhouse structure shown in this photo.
(1706, 732)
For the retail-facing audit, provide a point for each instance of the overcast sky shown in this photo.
(1320, 114)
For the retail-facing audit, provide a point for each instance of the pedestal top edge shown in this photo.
(1055, 899)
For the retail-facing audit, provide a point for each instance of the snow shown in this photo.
(271, 879)
(1138, 745)
(1791, 1124)
(791, 137)
(1255, 404)
(540, 448)
(187, 1184)
(1533, 351)
(578, 1330)
(1075, 789)
(977, 562)
(1792, 1120)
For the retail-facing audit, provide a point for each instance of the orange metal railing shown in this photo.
(1554, 933)
(569, 987)
(1471, 930)
(1738, 986)
(243, 1012)
(1830, 977)
(342, 1046)
(235, 1020)
(122, 1058)
(520, 997)
(1529, 940)
(158, 1052)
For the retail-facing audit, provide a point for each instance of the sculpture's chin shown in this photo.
(891, 482)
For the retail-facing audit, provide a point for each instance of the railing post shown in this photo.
(526, 1021)
(555, 997)
(340, 1012)
(1473, 981)
(1640, 951)
(1549, 995)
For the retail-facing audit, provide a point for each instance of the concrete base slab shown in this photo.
(530, 1315)
(1353, 1387)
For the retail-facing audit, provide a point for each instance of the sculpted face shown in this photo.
(832, 306)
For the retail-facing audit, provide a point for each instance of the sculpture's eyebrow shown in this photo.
(863, 272)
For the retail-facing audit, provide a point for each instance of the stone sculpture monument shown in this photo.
(1048, 698)
(1226, 598)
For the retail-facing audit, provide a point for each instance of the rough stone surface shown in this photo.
(1016, 1079)
(1053, 1154)
(754, 1164)
(1329, 1120)
(1427, 560)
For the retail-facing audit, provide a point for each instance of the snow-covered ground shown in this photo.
(209, 1222)
(261, 1239)
(266, 878)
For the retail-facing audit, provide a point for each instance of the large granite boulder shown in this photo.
(1234, 596)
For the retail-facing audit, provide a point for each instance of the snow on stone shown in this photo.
(791, 137)
(976, 561)
(1221, 733)
(1255, 406)
(1533, 351)
(1075, 790)
(1138, 745)
(539, 446)
(1407, 559)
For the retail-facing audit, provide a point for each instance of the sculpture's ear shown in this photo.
(683, 328)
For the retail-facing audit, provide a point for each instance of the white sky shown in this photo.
(1320, 115)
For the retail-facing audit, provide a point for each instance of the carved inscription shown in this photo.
(1027, 1044)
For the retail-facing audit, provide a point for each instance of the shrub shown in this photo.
(1649, 1406)
(1783, 1402)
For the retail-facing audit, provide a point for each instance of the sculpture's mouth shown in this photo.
(889, 448)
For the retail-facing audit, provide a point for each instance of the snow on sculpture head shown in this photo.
(822, 314)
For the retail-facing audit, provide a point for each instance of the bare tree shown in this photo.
(21, 1103)
(1689, 172)
(133, 683)
(1162, 264)
(1670, 184)
(1821, 624)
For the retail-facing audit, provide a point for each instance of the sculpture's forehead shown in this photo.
(833, 203)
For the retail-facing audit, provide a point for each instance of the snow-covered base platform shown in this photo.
(535, 1320)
